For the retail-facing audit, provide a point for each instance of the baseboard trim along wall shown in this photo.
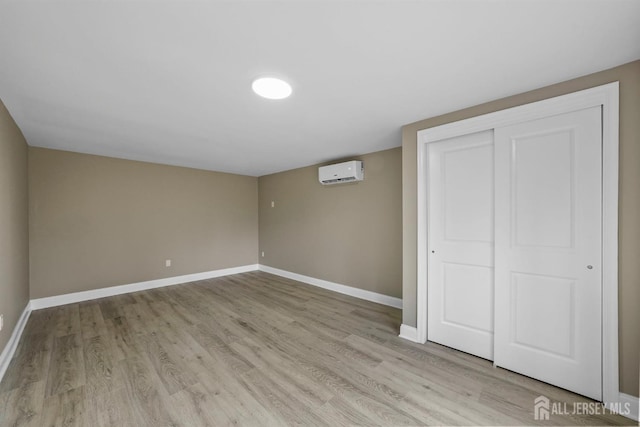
(39, 303)
(12, 344)
(409, 333)
(631, 402)
(54, 301)
(336, 287)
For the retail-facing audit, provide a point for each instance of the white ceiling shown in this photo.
(170, 82)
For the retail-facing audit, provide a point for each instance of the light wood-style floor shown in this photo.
(253, 349)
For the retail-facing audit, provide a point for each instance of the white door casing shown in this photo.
(461, 242)
(548, 188)
(606, 97)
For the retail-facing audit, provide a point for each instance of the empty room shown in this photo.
(319, 212)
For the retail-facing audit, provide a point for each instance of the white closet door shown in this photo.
(460, 263)
(548, 250)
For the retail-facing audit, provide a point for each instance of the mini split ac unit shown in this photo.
(341, 172)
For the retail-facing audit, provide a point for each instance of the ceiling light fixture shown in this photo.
(271, 88)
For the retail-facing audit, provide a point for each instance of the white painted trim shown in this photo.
(12, 344)
(632, 402)
(605, 96)
(409, 333)
(57, 300)
(610, 153)
(423, 224)
(336, 287)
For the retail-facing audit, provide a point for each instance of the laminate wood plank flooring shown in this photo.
(258, 350)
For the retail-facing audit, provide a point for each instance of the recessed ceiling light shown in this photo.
(271, 88)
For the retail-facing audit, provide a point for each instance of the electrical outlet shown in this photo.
(1, 321)
(167, 263)
(262, 254)
(273, 204)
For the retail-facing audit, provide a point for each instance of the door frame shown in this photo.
(605, 96)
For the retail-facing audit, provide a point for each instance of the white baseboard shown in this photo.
(409, 333)
(336, 287)
(71, 298)
(12, 344)
(630, 402)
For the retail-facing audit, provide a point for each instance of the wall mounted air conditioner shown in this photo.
(341, 172)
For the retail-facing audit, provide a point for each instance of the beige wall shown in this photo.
(97, 221)
(14, 231)
(629, 218)
(347, 233)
